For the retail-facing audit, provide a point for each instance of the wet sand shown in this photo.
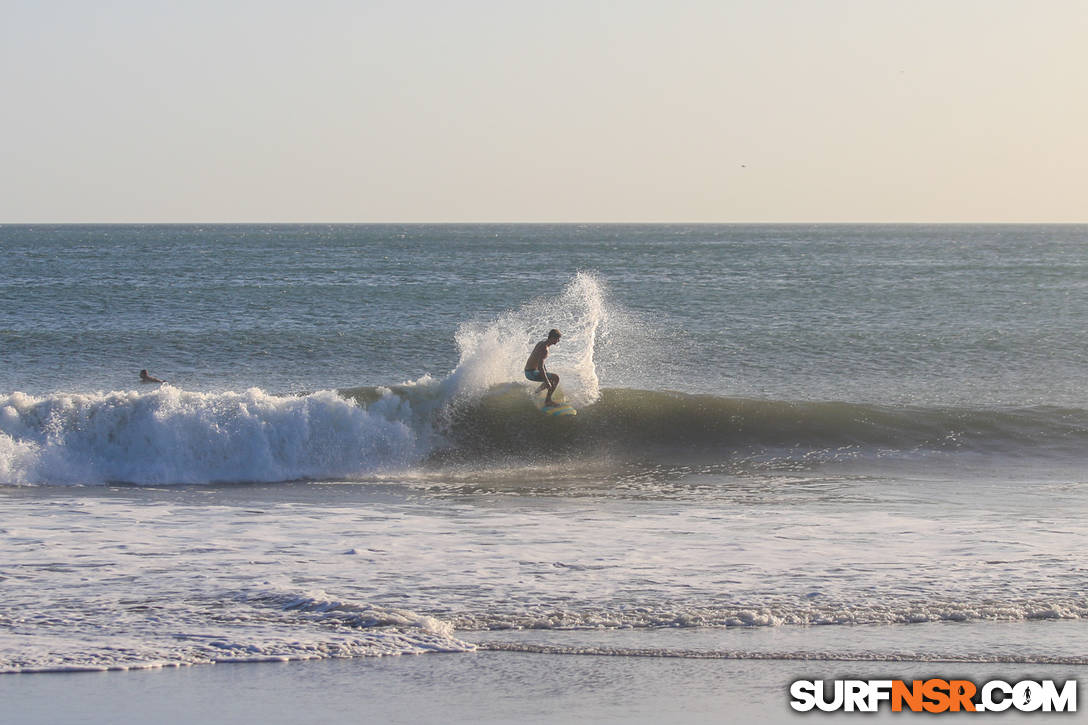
(489, 687)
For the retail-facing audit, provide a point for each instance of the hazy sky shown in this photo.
(555, 110)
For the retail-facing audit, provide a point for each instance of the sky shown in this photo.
(556, 111)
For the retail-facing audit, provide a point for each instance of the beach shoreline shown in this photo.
(485, 686)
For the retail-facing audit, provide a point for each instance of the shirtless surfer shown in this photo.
(535, 370)
(145, 378)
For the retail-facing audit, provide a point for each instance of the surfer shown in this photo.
(535, 370)
(145, 378)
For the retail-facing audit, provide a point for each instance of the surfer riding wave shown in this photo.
(535, 370)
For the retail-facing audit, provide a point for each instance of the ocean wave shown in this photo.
(650, 424)
(320, 606)
(175, 436)
(480, 414)
(171, 435)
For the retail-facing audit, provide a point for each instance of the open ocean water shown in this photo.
(794, 443)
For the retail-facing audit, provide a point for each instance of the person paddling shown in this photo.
(535, 370)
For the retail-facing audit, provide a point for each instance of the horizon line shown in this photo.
(544, 223)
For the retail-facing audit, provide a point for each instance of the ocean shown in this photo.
(811, 445)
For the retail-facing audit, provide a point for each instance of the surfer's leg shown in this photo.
(551, 385)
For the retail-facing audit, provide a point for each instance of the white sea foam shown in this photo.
(159, 576)
(240, 644)
(777, 615)
(175, 436)
(260, 625)
(494, 351)
(319, 605)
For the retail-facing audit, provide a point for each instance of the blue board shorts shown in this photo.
(534, 375)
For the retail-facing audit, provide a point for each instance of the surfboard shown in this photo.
(559, 407)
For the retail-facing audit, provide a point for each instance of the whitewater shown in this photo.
(794, 444)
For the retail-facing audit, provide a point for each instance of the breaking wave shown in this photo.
(645, 424)
(478, 414)
(175, 436)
